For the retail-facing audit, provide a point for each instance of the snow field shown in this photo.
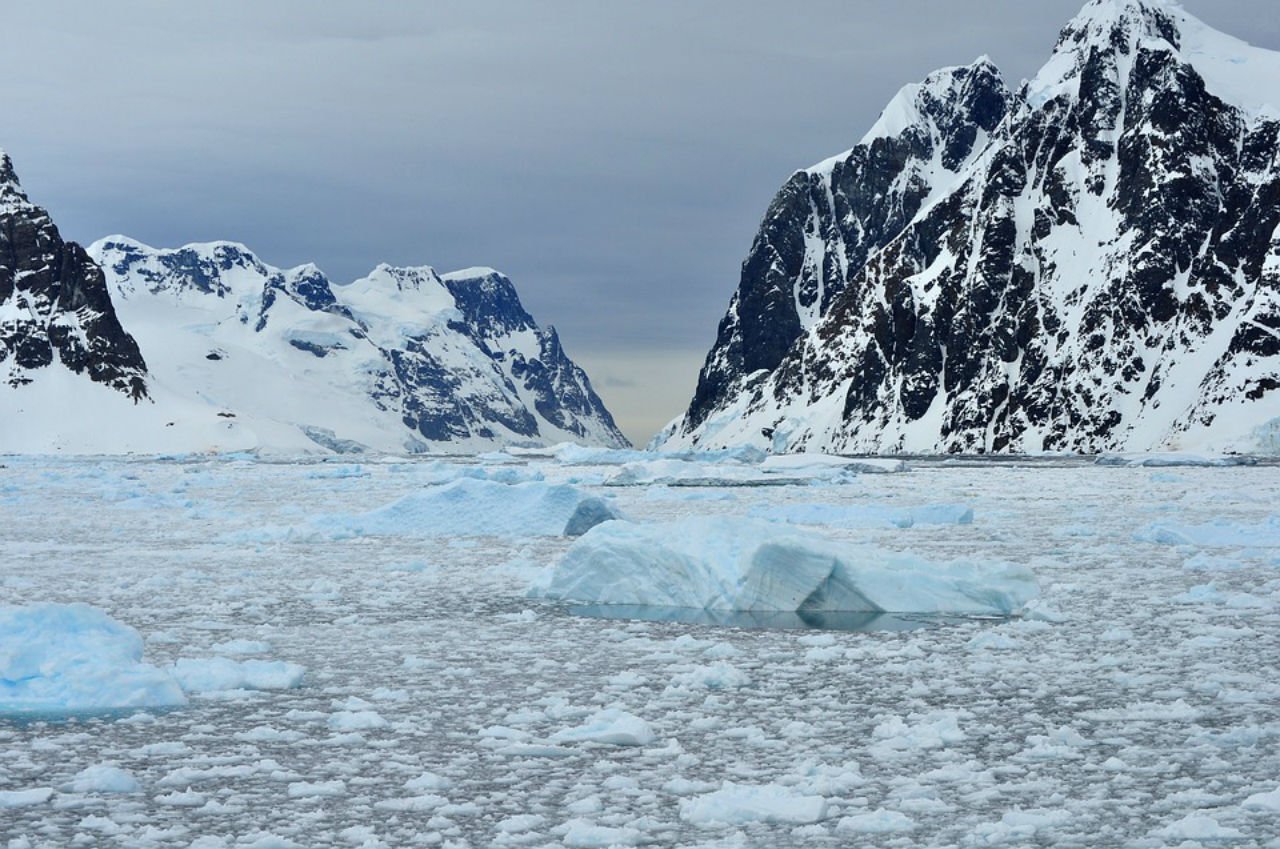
(440, 707)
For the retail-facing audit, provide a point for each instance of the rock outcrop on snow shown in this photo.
(1090, 263)
(54, 303)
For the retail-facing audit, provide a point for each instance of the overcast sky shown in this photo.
(613, 158)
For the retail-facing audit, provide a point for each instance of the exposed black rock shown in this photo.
(54, 303)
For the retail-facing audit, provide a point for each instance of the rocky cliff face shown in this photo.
(54, 303)
(1090, 263)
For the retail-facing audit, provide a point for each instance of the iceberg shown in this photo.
(473, 507)
(73, 658)
(721, 563)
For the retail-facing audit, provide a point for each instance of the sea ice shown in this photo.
(740, 804)
(867, 515)
(571, 454)
(25, 798)
(1156, 459)
(818, 465)
(1199, 827)
(879, 821)
(723, 563)
(1263, 801)
(1216, 535)
(103, 778)
(611, 726)
(584, 834)
(215, 674)
(73, 658)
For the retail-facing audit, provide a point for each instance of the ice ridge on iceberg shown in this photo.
(73, 658)
(741, 564)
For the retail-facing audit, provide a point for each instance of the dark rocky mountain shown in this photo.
(54, 303)
(1091, 263)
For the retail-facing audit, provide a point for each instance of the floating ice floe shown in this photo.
(470, 507)
(703, 470)
(867, 515)
(725, 563)
(1166, 459)
(25, 798)
(1218, 535)
(584, 834)
(73, 658)
(740, 804)
(220, 674)
(611, 726)
(102, 778)
(1269, 801)
(879, 821)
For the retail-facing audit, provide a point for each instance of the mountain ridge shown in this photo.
(449, 360)
(246, 356)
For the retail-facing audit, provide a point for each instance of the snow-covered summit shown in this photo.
(1240, 74)
(476, 272)
(933, 102)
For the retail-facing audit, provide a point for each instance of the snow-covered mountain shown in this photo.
(1089, 263)
(404, 359)
(242, 355)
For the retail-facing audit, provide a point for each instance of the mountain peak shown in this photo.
(478, 272)
(920, 103)
(11, 195)
(1236, 72)
(6, 169)
(1121, 23)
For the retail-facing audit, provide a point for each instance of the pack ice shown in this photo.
(73, 658)
(731, 563)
